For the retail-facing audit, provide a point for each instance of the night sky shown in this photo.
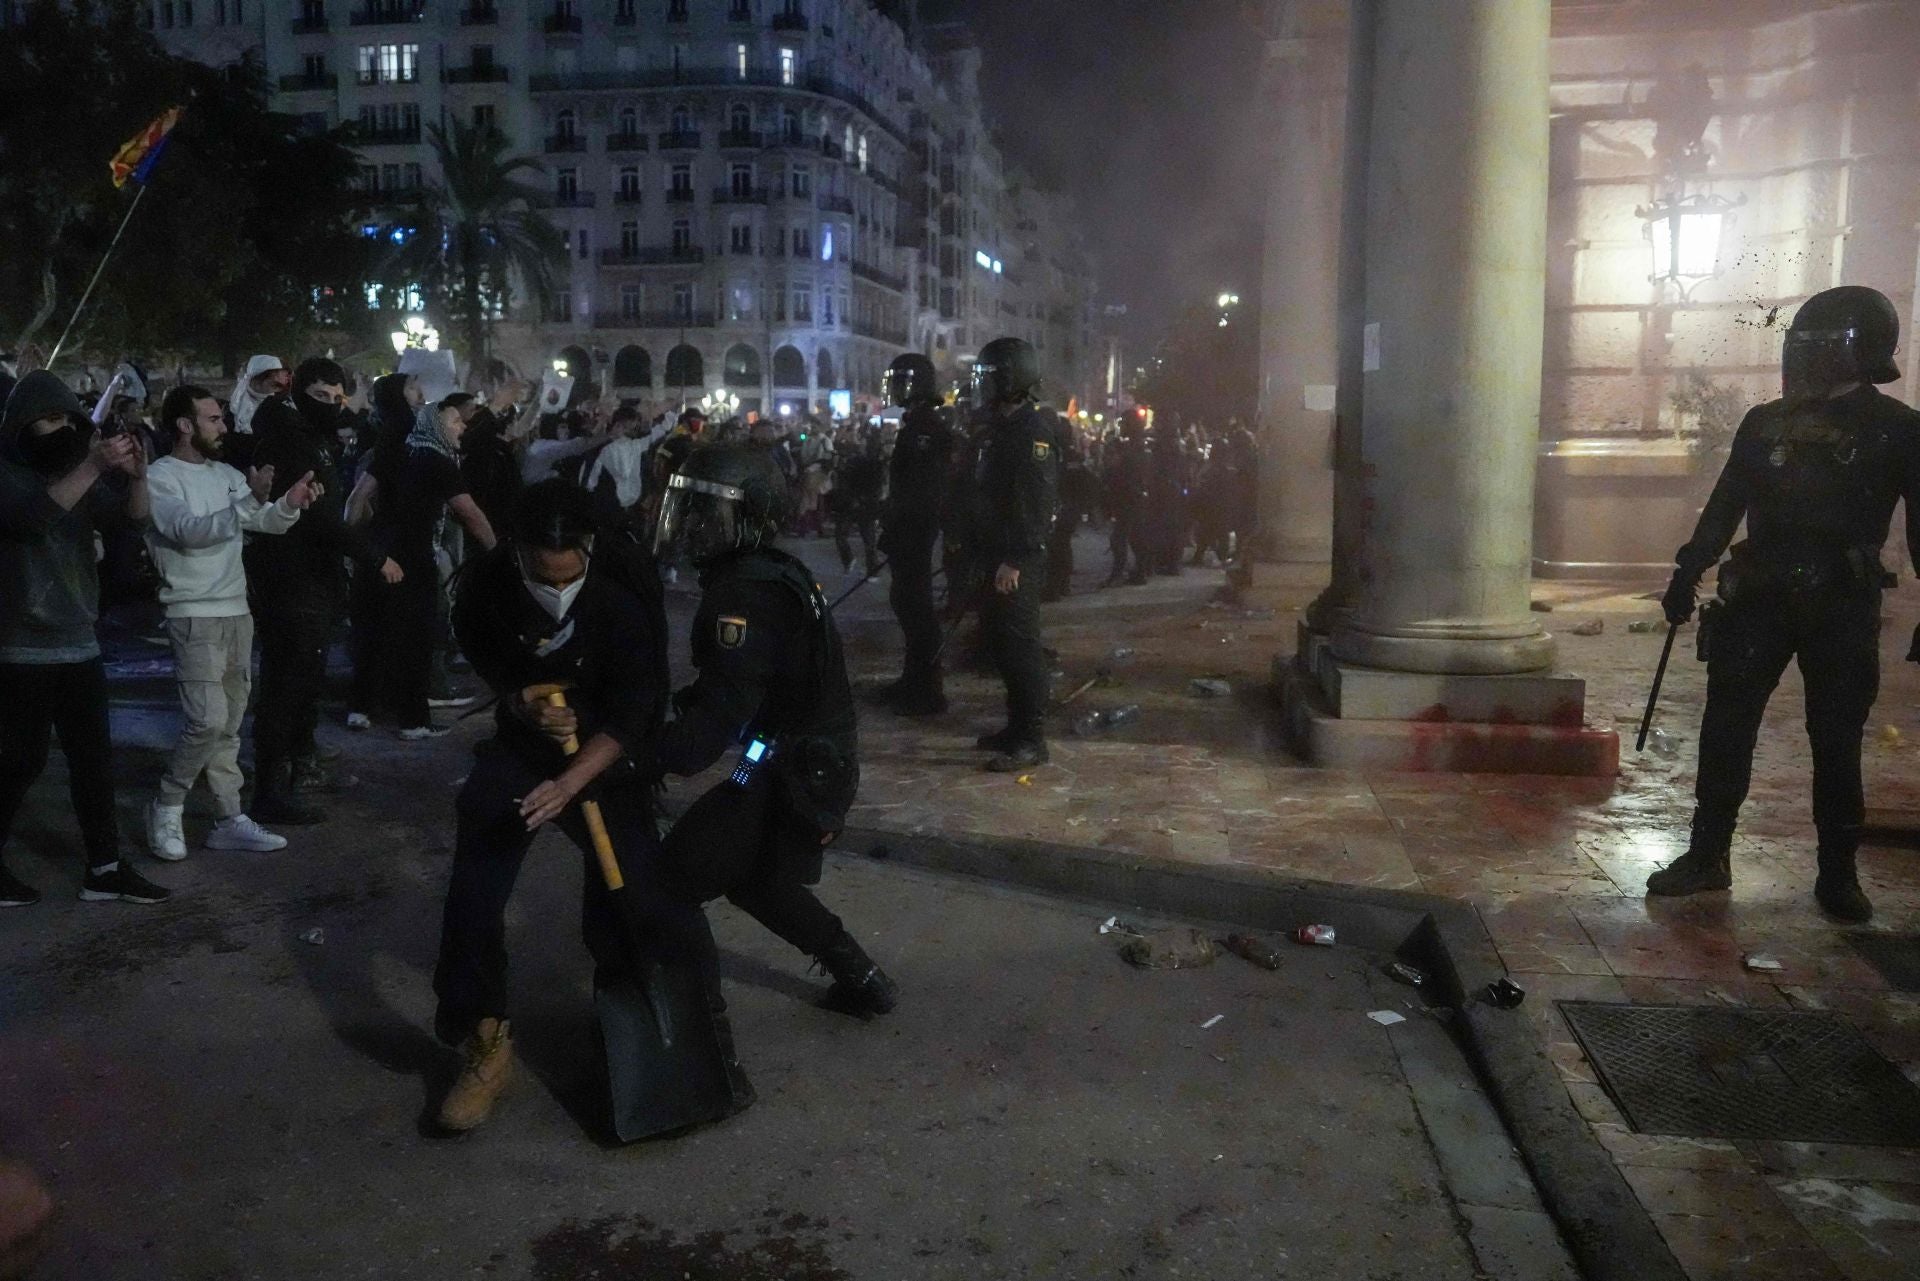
(1145, 111)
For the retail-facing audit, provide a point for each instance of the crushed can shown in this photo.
(1314, 935)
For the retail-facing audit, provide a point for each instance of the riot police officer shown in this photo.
(772, 685)
(916, 503)
(1815, 474)
(1013, 501)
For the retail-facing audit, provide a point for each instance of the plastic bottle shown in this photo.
(1119, 654)
(1098, 722)
(1665, 744)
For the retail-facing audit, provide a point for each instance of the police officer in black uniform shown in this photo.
(555, 605)
(917, 497)
(1013, 502)
(1815, 475)
(772, 686)
(859, 488)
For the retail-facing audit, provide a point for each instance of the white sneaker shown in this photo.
(420, 733)
(242, 833)
(165, 835)
(451, 700)
(358, 720)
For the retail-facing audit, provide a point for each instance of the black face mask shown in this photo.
(318, 415)
(56, 453)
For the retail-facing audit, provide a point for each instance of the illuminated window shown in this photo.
(740, 60)
(789, 66)
(826, 242)
(863, 153)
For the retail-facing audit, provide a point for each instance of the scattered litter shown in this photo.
(1252, 950)
(1180, 948)
(1210, 1022)
(1664, 744)
(1078, 820)
(1408, 974)
(1592, 627)
(1890, 736)
(1095, 722)
(1210, 687)
(1387, 1018)
(1761, 961)
(1119, 654)
(316, 936)
(1025, 780)
(1505, 994)
(1314, 935)
(1641, 626)
(1539, 607)
(1114, 925)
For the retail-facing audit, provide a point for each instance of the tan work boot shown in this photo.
(488, 1068)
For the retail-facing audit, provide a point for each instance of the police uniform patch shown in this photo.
(1041, 451)
(730, 632)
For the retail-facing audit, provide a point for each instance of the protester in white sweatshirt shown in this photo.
(202, 509)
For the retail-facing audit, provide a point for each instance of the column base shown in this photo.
(1340, 715)
(1448, 655)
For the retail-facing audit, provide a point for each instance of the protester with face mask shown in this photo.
(51, 502)
(265, 378)
(202, 511)
(297, 583)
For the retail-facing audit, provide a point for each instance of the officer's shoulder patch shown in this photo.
(1042, 451)
(731, 631)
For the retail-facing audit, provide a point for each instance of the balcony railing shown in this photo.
(749, 138)
(391, 136)
(789, 22)
(884, 333)
(479, 16)
(628, 196)
(563, 24)
(718, 76)
(308, 80)
(313, 26)
(654, 320)
(380, 15)
(679, 195)
(680, 140)
(572, 200)
(742, 195)
(618, 142)
(492, 73)
(885, 280)
(836, 204)
(562, 143)
(657, 256)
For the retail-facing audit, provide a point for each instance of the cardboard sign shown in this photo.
(555, 390)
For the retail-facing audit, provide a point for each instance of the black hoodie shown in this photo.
(308, 560)
(49, 584)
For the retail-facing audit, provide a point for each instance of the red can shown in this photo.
(1315, 935)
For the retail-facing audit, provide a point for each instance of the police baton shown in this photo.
(873, 574)
(1653, 695)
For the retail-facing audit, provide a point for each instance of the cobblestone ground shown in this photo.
(1555, 866)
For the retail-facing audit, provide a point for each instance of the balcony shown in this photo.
(310, 26)
(724, 77)
(619, 142)
(563, 24)
(741, 138)
(625, 17)
(654, 320)
(652, 257)
(835, 204)
(882, 333)
(384, 15)
(742, 195)
(680, 140)
(564, 143)
(479, 16)
(306, 81)
(789, 22)
(492, 73)
(628, 196)
(572, 200)
(874, 275)
(680, 195)
(391, 136)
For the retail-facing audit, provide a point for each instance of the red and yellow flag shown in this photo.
(137, 158)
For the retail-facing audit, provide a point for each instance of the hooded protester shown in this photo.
(394, 400)
(298, 583)
(265, 378)
(51, 503)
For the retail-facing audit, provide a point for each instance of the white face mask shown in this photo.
(556, 601)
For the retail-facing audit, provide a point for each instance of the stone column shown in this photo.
(1456, 207)
(1299, 340)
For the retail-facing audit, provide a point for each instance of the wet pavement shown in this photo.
(1555, 866)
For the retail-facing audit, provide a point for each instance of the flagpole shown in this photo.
(111, 246)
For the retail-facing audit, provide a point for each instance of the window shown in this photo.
(316, 66)
(584, 248)
(863, 153)
(623, 11)
(567, 184)
(482, 58)
(629, 122)
(846, 145)
(826, 242)
(565, 125)
(629, 184)
(563, 305)
(483, 117)
(740, 302)
(790, 126)
(740, 60)
(682, 236)
(681, 121)
(802, 303)
(680, 181)
(629, 238)
(676, 10)
(740, 236)
(629, 302)
(679, 59)
(166, 13)
(740, 118)
(802, 243)
(740, 181)
(789, 65)
(739, 11)
(802, 181)
(683, 301)
(846, 312)
(389, 64)
(826, 306)
(779, 300)
(186, 13)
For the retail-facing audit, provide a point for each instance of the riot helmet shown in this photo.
(1008, 369)
(724, 498)
(1840, 336)
(911, 380)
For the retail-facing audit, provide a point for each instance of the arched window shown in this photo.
(633, 367)
(826, 369)
(789, 368)
(685, 368)
(742, 366)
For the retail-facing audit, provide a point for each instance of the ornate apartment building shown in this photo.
(767, 198)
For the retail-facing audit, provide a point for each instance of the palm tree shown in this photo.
(479, 231)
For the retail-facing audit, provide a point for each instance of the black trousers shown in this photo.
(367, 608)
(867, 527)
(910, 558)
(1010, 626)
(738, 841)
(70, 700)
(1060, 551)
(413, 640)
(293, 629)
(1835, 636)
(490, 845)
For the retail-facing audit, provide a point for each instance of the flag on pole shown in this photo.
(137, 159)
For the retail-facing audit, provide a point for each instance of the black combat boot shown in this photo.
(1704, 866)
(1023, 754)
(999, 741)
(860, 987)
(921, 694)
(275, 801)
(1837, 888)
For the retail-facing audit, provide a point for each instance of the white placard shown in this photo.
(1320, 397)
(555, 388)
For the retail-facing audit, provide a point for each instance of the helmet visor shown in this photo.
(985, 381)
(1815, 361)
(701, 516)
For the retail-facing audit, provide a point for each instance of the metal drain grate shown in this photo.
(1895, 956)
(1712, 1072)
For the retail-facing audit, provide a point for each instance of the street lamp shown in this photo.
(1685, 232)
(415, 333)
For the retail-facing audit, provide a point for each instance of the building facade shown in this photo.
(761, 199)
